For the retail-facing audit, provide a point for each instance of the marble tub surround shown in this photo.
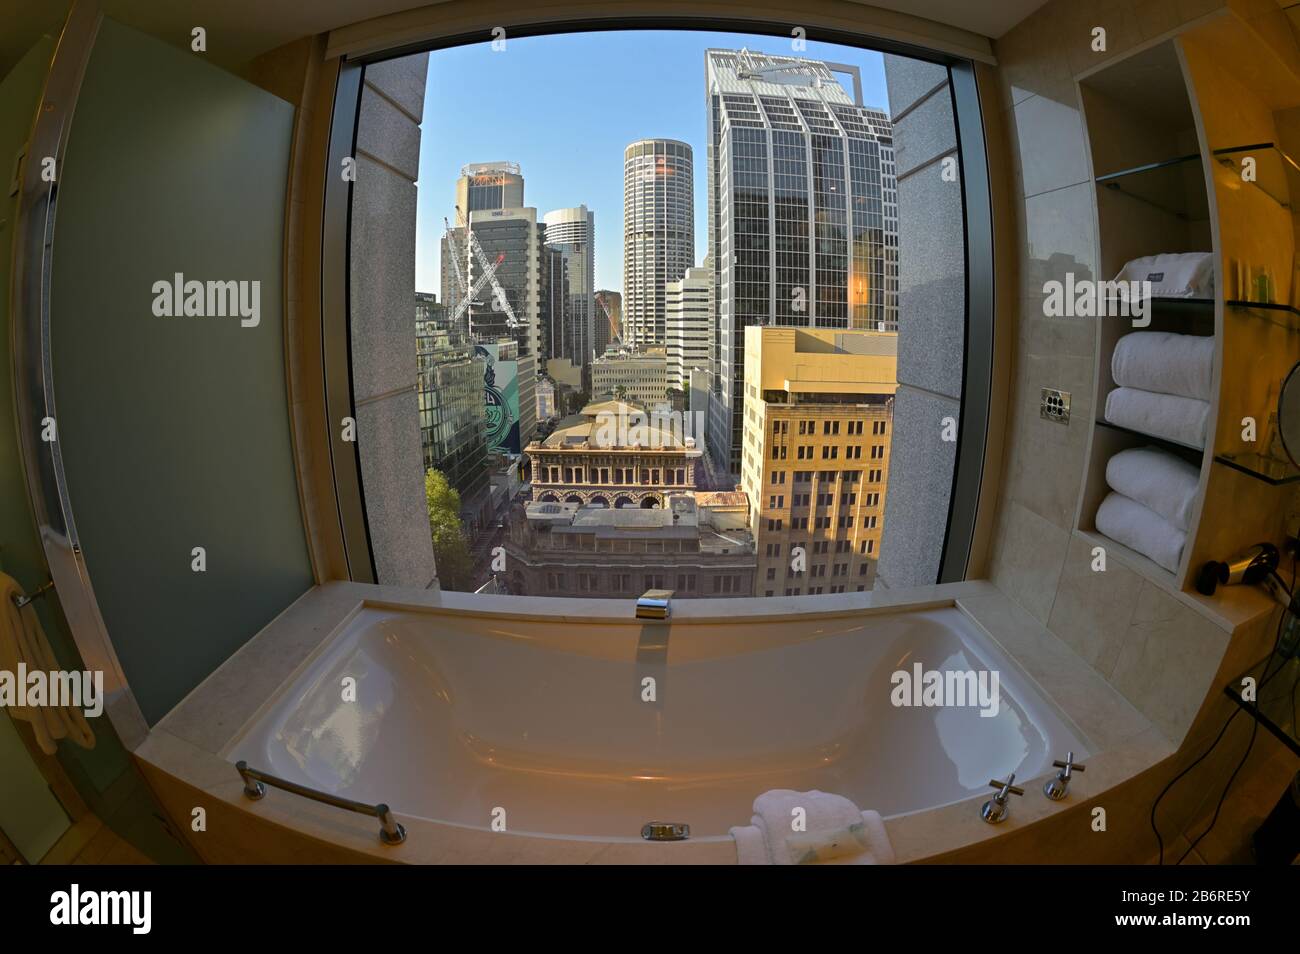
(184, 757)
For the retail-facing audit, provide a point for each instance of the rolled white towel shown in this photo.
(836, 832)
(1157, 480)
(1174, 274)
(1165, 362)
(1128, 522)
(1174, 418)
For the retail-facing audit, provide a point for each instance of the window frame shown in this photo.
(977, 215)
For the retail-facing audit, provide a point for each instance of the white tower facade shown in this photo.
(658, 233)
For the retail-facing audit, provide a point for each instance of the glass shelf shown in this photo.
(1276, 174)
(1186, 451)
(1285, 316)
(1277, 695)
(1271, 470)
(1163, 185)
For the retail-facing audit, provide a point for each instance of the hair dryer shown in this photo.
(1252, 565)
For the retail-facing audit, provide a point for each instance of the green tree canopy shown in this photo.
(450, 551)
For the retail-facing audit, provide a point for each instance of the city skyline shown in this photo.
(578, 158)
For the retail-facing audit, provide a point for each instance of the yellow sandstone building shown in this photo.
(818, 423)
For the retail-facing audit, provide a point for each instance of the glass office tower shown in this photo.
(803, 212)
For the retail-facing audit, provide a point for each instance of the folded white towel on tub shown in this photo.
(833, 832)
(1174, 418)
(1173, 274)
(1128, 522)
(1157, 480)
(1165, 362)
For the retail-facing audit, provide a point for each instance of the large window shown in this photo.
(674, 261)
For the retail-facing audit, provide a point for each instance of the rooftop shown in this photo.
(614, 424)
(681, 519)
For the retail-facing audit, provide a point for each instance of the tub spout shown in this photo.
(654, 604)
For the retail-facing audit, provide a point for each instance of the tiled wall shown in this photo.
(1151, 646)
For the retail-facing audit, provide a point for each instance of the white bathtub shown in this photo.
(460, 715)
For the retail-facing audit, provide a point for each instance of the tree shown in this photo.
(450, 551)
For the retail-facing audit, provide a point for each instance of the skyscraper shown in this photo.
(510, 304)
(658, 232)
(488, 185)
(572, 232)
(803, 212)
(689, 320)
(816, 456)
(481, 186)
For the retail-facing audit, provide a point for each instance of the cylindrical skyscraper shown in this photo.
(573, 233)
(658, 232)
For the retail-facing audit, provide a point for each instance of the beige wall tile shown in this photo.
(1155, 17)
(1032, 60)
(1060, 238)
(1168, 658)
(1029, 554)
(1078, 19)
(1050, 144)
(1093, 609)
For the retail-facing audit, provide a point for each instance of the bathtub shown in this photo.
(590, 730)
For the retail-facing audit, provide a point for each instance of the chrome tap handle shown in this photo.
(1056, 788)
(1068, 766)
(1005, 788)
(996, 808)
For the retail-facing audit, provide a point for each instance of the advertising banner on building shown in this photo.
(501, 395)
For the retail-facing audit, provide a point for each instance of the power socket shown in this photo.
(1054, 405)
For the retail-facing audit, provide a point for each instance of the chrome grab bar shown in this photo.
(21, 601)
(255, 782)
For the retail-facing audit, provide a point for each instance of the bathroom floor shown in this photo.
(91, 842)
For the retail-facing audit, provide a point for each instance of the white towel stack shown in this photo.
(800, 828)
(1165, 385)
(1150, 507)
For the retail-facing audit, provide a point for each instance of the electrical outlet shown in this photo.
(1054, 405)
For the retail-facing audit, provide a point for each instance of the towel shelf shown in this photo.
(1271, 470)
(1276, 174)
(1186, 451)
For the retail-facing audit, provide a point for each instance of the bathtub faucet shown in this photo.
(996, 808)
(1057, 787)
(654, 604)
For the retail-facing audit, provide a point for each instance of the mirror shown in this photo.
(1288, 414)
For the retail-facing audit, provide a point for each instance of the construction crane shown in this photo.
(604, 306)
(469, 296)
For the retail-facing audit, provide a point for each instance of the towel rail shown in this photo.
(255, 782)
(21, 601)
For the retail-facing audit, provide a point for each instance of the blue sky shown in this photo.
(564, 107)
